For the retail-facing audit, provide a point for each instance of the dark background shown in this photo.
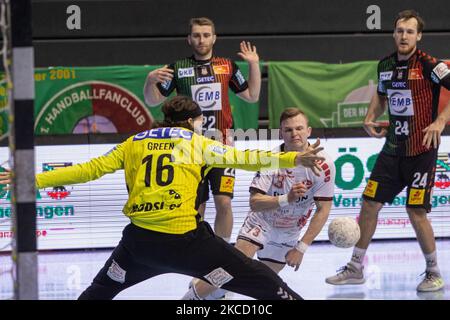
(142, 32)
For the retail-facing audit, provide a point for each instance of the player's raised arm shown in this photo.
(249, 54)
(221, 156)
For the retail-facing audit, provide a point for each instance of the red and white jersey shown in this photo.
(280, 181)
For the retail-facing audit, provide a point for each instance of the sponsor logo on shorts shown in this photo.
(415, 74)
(441, 70)
(226, 184)
(371, 188)
(186, 72)
(116, 273)
(416, 196)
(221, 69)
(218, 277)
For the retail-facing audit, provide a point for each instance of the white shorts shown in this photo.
(274, 242)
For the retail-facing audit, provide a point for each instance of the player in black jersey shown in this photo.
(409, 84)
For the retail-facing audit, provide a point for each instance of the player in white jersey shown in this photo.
(281, 202)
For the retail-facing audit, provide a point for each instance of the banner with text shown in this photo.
(102, 100)
(90, 215)
(332, 95)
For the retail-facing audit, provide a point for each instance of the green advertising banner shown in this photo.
(245, 115)
(332, 95)
(102, 100)
(84, 100)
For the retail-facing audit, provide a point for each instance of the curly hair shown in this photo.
(172, 106)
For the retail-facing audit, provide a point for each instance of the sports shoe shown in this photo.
(431, 282)
(348, 274)
(219, 294)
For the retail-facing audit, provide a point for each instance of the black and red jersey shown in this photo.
(207, 82)
(412, 89)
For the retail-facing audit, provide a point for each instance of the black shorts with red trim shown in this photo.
(391, 174)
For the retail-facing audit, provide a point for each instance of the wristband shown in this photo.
(283, 200)
(301, 246)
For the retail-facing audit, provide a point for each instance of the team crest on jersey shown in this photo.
(203, 71)
(401, 72)
(204, 74)
(279, 179)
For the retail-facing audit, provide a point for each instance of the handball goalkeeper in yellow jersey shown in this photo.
(164, 167)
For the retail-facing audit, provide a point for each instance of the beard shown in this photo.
(405, 51)
(202, 51)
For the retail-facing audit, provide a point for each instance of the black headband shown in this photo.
(186, 114)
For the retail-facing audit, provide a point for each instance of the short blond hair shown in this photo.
(201, 21)
(290, 113)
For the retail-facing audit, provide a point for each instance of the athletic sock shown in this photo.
(431, 262)
(358, 257)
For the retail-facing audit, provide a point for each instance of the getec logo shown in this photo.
(399, 85)
(205, 79)
(401, 102)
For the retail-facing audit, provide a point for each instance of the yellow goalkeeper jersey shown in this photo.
(163, 170)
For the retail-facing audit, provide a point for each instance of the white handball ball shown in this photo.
(344, 232)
